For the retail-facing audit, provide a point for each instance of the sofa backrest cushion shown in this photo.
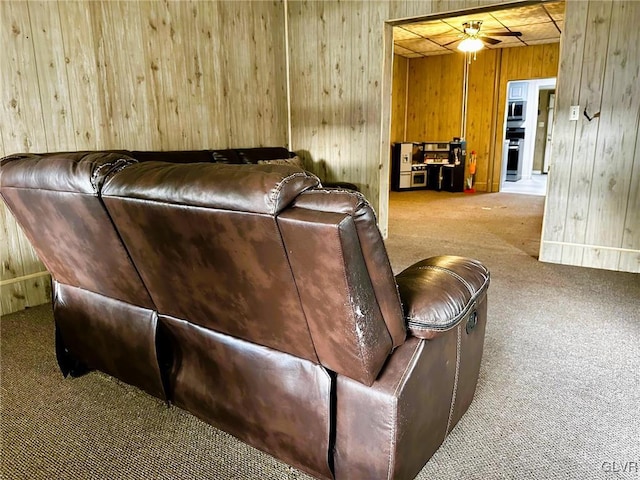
(205, 240)
(346, 284)
(186, 156)
(253, 155)
(229, 155)
(55, 199)
(242, 188)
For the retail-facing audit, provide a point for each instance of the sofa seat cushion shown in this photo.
(439, 292)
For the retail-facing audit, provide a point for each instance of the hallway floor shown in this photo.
(537, 185)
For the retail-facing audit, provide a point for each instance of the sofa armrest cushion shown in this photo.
(438, 292)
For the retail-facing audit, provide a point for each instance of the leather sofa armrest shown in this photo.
(437, 293)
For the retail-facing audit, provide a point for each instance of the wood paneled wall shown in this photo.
(592, 213)
(399, 98)
(133, 75)
(435, 99)
(336, 68)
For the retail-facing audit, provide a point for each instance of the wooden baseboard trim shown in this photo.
(9, 281)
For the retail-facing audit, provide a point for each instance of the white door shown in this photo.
(547, 147)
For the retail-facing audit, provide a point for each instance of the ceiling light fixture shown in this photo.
(470, 45)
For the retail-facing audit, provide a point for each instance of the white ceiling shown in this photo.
(540, 23)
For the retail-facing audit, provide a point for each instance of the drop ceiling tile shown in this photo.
(515, 16)
(417, 45)
(488, 22)
(447, 39)
(442, 51)
(511, 45)
(555, 9)
(429, 47)
(428, 29)
(403, 52)
(540, 31)
(400, 33)
(508, 41)
(542, 41)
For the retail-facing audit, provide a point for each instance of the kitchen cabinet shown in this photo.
(428, 165)
(445, 165)
(518, 90)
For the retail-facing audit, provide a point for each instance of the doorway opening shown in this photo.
(432, 93)
(528, 130)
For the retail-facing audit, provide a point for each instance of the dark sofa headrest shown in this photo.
(253, 155)
(185, 156)
(82, 172)
(250, 188)
(229, 155)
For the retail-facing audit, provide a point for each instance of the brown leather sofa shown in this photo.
(257, 300)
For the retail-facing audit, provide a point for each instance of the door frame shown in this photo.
(384, 163)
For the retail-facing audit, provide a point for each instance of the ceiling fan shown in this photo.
(473, 40)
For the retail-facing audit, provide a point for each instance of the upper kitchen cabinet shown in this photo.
(518, 90)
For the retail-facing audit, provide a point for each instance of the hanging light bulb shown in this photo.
(470, 45)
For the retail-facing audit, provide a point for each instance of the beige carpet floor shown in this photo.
(558, 395)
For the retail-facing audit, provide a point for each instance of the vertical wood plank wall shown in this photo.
(592, 213)
(132, 75)
(399, 98)
(435, 98)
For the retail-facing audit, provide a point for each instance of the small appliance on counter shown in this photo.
(445, 166)
(516, 113)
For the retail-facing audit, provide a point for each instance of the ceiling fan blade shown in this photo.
(503, 34)
(490, 41)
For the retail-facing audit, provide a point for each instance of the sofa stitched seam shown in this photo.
(363, 201)
(456, 378)
(420, 325)
(459, 277)
(392, 436)
(276, 191)
(117, 165)
(42, 189)
(125, 247)
(346, 281)
(359, 195)
(373, 288)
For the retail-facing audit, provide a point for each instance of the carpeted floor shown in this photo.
(558, 395)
